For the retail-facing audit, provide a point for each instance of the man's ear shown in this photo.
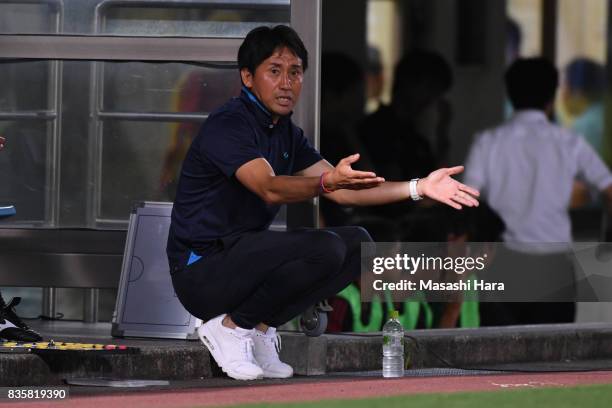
(247, 77)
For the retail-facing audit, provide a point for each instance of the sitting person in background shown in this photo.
(409, 136)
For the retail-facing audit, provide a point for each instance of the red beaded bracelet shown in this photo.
(322, 186)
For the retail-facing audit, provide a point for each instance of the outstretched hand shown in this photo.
(440, 186)
(344, 177)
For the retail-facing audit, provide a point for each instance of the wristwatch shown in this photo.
(413, 190)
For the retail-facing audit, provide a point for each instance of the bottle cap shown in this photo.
(394, 314)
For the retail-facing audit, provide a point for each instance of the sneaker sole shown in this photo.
(268, 374)
(213, 349)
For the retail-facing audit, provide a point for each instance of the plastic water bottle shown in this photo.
(393, 347)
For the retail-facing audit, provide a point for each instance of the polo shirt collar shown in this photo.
(263, 115)
(530, 115)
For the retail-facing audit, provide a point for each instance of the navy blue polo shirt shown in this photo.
(211, 205)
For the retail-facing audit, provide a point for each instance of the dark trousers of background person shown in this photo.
(541, 285)
(270, 276)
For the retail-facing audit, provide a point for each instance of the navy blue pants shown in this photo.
(271, 277)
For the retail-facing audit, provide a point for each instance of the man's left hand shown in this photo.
(440, 186)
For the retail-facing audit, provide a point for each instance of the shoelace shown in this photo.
(248, 349)
(274, 342)
(247, 345)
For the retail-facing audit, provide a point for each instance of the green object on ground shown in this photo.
(591, 396)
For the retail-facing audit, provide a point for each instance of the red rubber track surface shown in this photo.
(341, 389)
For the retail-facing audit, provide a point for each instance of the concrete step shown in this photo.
(189, 360)
(155, 361)
(473, 348)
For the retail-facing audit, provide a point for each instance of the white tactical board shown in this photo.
(146, 303)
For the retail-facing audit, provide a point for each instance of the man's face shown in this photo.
(277, 81)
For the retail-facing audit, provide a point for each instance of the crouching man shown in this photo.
(249, 158)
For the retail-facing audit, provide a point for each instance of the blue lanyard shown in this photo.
(255, 100)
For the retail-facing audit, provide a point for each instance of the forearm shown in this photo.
(438, 185)
(386, 193)
(290, 189)
(259, 177)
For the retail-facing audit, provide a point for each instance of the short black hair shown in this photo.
(261, 42)
(531, 83)
(420, 77)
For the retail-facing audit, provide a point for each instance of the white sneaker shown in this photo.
(232, 349)
(267, 346)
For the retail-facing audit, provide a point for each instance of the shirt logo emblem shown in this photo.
(285, 155)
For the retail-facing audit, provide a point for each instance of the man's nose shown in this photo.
(285, 81)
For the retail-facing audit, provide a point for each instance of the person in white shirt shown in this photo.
(525, 170)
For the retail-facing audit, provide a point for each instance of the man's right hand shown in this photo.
(344, 177)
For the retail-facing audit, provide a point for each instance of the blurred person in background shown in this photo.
(582, 96)
(402, 138)
(375, 79)
(580, 107)
(342, 98)
(409, 136)
(526, 169)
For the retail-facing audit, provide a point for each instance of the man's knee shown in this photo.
(354, 236)
(361, 234)
(329, 248)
